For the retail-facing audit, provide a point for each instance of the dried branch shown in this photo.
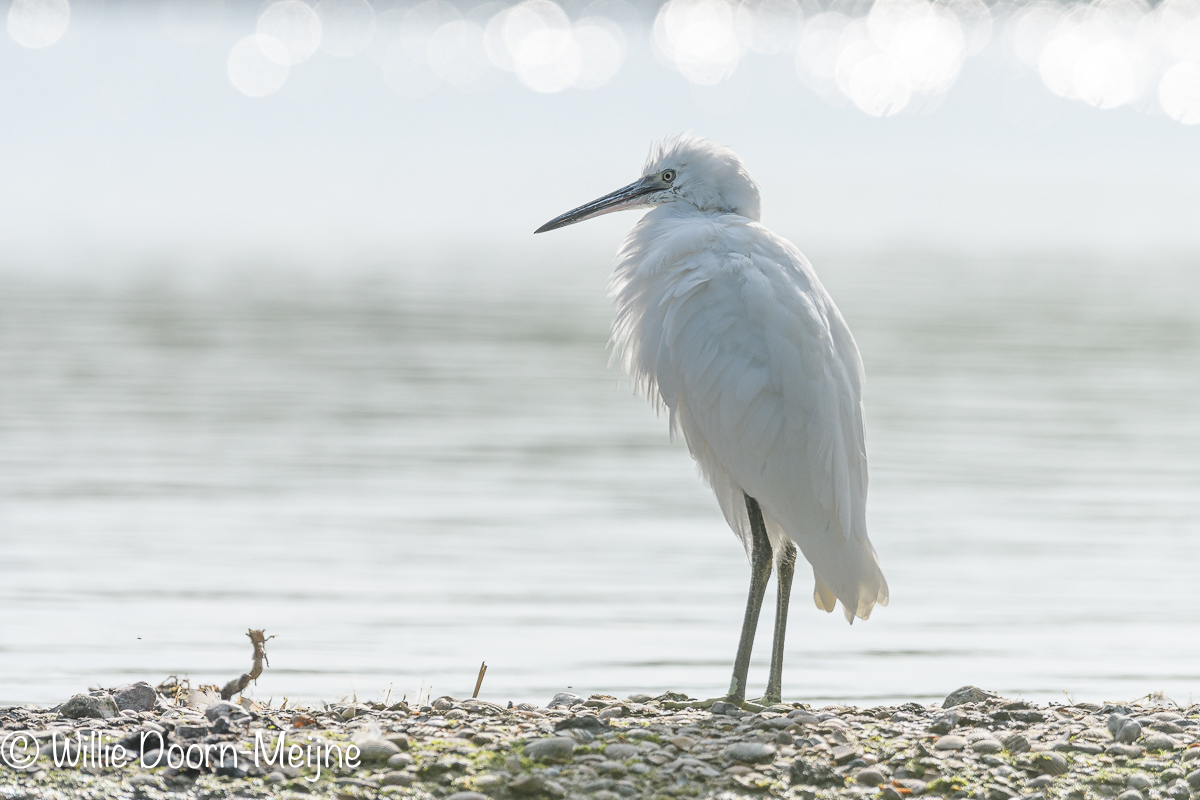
(259, 642)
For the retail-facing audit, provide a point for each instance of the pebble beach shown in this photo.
(135, 742)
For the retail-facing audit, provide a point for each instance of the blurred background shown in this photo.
(278, 349)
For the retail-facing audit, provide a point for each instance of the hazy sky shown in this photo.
(119, 140)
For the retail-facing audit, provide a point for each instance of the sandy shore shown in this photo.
(978, 746)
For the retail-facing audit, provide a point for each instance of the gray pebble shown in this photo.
(1193, 780)
(950, 742)
(986, 745)
(468, 796)
(620, 751)
(1016, 743)
(527, 783)
(1158, 742)
(1130, 794)
(84, 706)
(222, 708)
(397, 779)
(599, 785)
(138, 696)
(614, 768)
(750, 752)
(555, 748)
(946, 722)
(400, 760)
(564, 700)
(966, 694)
(375, 750)
(276, 778)
(1051, 763)
(1040, 782)
(1140, 781)
(1129, 732)
(869, 777)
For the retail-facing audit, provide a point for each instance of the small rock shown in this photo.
(869, 777)
(599, 785)
(191, 731)
(946, 722)
(998, 792)
(966, 694)
(986, 745)
(1129, 732)
(1115, 721)
(554, 789)
(221, 708)
(684, 743)
(615, 768)
(1158, 742)
(1193, 780)
(444, 703)
(1040, 782)
(843, 754)
(401, 741)
(1016, 743)
(890, 793)
(564, 700)
(138, 696)
(376, 750)
(620, 752)
(468, 796)
(1130, 794)
(750, 752)
(950, 742)
(488, 782)
(554, 748)
(1124, 750)
(400, 760)
(276, 778)
(722, 708)
(144, 779)
(814, 773)
(1140, 781)
(1178, 791)
(1051, 763)
(528, 783)
(83, 706)
(585, 722)
(784, 738)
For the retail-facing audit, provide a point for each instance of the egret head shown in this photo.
(680, 169)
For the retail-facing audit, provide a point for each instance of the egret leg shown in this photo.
(760, 573)
(787, 567)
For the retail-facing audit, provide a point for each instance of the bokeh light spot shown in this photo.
(38, 23)
(257, 65)
(294, 25)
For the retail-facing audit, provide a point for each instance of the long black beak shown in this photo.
(626, 197)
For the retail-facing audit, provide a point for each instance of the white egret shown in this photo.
(726, 325)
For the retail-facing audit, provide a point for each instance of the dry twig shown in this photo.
(239, 684)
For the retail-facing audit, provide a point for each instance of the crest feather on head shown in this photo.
(711, 176)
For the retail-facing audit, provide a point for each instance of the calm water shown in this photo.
(401, 472)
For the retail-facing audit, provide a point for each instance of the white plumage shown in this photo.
(726, 325)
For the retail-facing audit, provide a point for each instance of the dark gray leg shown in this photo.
(760, 573)
(787, 566)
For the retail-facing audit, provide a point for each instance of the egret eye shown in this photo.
(668, 175)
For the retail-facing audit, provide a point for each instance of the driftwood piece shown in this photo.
(238, 684)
